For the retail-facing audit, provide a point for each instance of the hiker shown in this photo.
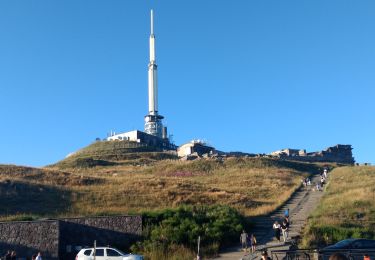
(265, 256)
(243, 239)
(39, 256)
(276, 228)
(13, 255)
(284, 229)
(253, 243)
(7, 255)
(286, 213)
(286, 220)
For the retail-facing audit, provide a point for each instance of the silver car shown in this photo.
(105, 253)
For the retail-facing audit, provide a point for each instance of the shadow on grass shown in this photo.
(18, 197)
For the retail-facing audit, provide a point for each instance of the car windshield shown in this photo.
(344, 243)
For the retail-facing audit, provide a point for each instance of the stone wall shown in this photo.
(116, 231)
(63, 238)
(29, 237)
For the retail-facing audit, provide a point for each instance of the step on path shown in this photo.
(300, 205)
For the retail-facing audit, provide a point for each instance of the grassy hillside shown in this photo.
(26, 191)
(110, 153)
(347, 209)
(252, 185)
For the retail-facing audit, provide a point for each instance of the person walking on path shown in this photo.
(286, 213)
(265, 256)
(7, 255)
(39, 256)
(243, 240)
(284, 229)
(276, 228)
(13, 255)
(253, 243)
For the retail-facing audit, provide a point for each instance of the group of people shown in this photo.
(282, 228)
(247, 240)
(306, 182)
(12, 255)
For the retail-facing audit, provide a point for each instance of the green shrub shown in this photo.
(216, 225)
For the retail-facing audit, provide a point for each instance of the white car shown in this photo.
(105, 253)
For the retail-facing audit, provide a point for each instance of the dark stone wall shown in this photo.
(117, 231)
(29, 237)
(63, 238)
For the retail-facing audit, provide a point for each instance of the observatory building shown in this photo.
(155, 134)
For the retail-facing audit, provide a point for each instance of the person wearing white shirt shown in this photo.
(39, 256)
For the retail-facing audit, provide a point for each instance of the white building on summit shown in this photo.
(155, 133)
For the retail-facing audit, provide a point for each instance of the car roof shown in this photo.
(99, 247)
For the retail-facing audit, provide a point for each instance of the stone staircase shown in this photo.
(300, 205)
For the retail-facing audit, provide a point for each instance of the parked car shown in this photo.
(353, 243)
(105, 253)
(353, 248)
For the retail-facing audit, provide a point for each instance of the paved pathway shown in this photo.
(300, 205)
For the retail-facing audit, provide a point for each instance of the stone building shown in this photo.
(144, 138)
(289, 152)
(339, 153)
(195, 146)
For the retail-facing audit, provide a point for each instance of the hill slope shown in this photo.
(110, 153)
(252, 185)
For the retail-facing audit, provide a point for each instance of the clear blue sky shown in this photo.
(251, 76)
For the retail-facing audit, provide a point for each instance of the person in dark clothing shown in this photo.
(13, 255)
(284, 229)
(7, 255)
(286, 220)
(265, 256)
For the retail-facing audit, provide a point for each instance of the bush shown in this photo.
(216, 225)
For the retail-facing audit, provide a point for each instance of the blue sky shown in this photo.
(251, 76)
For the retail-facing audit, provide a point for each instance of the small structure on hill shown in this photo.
(289, 152)
(197, 147)
(144, 138)
(339, 153)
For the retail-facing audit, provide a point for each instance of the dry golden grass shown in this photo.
(347, 208)
(254, 186)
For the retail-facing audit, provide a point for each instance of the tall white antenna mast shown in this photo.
(152, 21)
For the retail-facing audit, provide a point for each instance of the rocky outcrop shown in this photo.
(339, 154)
